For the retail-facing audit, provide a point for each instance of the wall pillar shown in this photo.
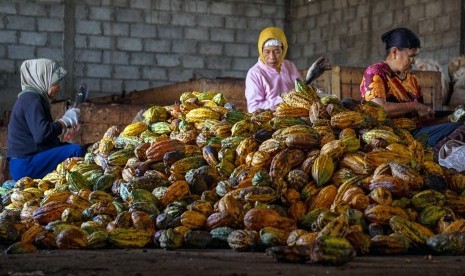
(69, 47)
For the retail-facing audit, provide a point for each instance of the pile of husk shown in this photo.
(319, 179)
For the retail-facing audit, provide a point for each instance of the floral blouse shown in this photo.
(379, 81)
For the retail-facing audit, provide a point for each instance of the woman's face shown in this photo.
(405, 58)
(54, 90)
(272, 55)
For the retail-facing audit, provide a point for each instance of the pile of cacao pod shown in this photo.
(318, 179)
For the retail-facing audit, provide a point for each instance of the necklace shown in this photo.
(402, 75)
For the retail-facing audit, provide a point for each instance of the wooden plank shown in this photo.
(431, 88)
(335, 87)
(325, 78)
(233, 89)
(345, 82)
(95, 119)
(350, 78)
(109, 113)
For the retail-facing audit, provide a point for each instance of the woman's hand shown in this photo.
(70, 118)
(318, 67)
(424, 111)
(70, 133)
(395, 110)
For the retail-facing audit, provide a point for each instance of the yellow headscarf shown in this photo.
(268, 33)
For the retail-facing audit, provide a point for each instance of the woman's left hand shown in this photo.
(423, 111)
(70, 133)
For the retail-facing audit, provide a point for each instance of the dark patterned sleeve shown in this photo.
(374, 84)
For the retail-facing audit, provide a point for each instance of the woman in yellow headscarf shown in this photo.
(273, 74)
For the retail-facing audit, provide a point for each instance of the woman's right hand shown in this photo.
(70, 118)
(423, 110)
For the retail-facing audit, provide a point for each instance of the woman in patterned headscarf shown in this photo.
(391, 84)
(34, 146)
(273, 74)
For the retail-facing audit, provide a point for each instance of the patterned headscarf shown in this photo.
(272, 33)
(38, 75)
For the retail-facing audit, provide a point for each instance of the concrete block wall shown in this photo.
(348, 32)
(27, 30)
(135, 45)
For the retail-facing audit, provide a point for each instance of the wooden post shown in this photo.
(335, 83)
(437, 90)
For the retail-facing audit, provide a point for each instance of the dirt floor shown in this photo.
(213, 262)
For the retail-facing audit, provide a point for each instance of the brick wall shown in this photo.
(348, 31)
(132, 45)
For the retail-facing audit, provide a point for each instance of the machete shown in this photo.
(81, 97)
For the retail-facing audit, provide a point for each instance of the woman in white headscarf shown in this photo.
(34, 146)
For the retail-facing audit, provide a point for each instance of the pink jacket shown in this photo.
(264, 84)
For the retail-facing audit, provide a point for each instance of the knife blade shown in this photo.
(81, 96)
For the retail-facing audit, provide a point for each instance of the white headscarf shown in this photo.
(273, 42)
(38, 75)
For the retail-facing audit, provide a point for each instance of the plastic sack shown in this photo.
(452, 155)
